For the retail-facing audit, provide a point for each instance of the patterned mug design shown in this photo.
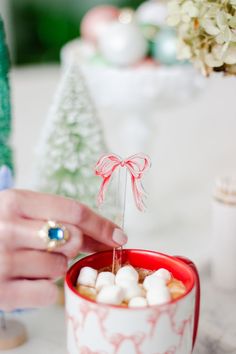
(171, 328)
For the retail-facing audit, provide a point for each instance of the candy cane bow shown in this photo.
(136, 165)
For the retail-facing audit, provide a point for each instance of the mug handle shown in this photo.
(198, 295)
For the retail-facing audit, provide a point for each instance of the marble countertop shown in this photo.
(192, 144)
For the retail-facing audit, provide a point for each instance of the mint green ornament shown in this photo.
(5, 105)
(165, 47)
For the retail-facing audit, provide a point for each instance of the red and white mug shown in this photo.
(94, 328)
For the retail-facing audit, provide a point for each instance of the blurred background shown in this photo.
(37, 29)
(185, 122)
(156, 105)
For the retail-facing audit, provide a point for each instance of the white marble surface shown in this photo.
(191, 145)
(217, 330)
(46, 331)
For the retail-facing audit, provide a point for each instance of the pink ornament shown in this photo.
(96, 21)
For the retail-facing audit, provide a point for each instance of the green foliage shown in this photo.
(43, 27)
(5, 107)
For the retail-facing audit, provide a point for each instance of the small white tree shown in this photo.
(72, 142)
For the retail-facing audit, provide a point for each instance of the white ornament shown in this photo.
(152, 281)
(163, 274)
(123, 44)
(87, 276)
(152, 12)
(131, 289)
(105, 278)
(138, 302)
(158, 296)
(111, 294)
(127, 272)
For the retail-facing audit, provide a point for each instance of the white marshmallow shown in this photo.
(163, 274)
(158, 296)
(105, 278)
(153, 281)
(127, 272)
(131, 289)
(87, 276)
(138, 302)
(111, 294)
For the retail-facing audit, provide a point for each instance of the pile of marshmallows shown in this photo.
(124, 287)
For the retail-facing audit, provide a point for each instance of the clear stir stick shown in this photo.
(106, 168)
(120, 220)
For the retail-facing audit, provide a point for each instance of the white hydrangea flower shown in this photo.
(174, 13)
(230, 56)
(190, 9)
(207, 32)
(181, 13)
(184, 51)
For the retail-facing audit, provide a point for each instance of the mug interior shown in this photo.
(149, 260)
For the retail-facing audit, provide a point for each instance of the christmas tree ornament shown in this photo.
(123, 44)
(96, 21)
(71, 142)
(5, 105)
(126, 15)
(165, 47)
(152, 12)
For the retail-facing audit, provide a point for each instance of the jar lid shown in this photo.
(225, 190)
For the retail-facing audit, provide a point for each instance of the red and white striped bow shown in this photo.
(135, 164)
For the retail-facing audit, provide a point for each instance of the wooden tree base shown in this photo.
(13, 335)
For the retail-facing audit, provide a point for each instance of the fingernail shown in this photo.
(119, 237)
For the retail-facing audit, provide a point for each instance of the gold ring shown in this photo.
(54, 234)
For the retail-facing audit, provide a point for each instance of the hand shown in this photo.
(27, 269)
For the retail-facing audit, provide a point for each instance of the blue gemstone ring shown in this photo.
(53, 234)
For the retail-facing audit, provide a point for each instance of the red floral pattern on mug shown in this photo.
(136, 339)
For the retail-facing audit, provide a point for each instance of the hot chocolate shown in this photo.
(129, 287)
